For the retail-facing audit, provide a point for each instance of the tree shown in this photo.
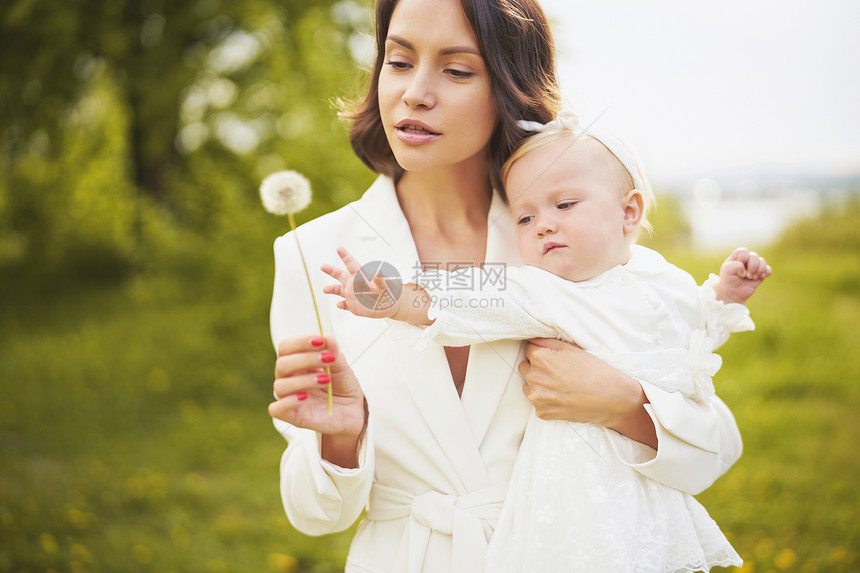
(113, 111)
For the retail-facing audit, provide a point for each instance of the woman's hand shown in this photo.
(301, 390)
(564, 382)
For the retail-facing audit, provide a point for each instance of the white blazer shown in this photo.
(433, 466)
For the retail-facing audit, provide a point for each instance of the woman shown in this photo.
(427, 440)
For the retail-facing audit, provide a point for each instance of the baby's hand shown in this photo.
(371, 297)
(740, 275)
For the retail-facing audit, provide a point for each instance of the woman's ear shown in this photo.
(634, 208)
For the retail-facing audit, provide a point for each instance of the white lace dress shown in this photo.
(572, 505)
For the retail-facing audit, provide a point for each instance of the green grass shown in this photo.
(134, 434)
(790, 503)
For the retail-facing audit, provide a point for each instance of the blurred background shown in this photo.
(136, 268)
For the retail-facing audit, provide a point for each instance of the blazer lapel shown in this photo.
(492, 366)
(432, 389)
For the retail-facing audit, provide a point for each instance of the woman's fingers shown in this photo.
(303, 343)
(305, 353)
(306, 368)
(300, 386)
(308, 353)
(288, 408)
(299, 363)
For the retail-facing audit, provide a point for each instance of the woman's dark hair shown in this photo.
(516, 43)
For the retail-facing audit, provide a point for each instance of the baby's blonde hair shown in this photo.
(619, 171)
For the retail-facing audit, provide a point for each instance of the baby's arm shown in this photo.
(740, 275)
(462, 316)
(378, 296)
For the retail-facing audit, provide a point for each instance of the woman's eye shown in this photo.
(460, 74)
(524, 220)
(397, 65)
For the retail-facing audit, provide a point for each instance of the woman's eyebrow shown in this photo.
(443, 52)
(459, 50)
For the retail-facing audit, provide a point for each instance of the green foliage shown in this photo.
(134, 434)
(132, 113)
(670, 229)
(836, 229)
(788, 505)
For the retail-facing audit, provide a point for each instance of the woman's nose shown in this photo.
(419, 91)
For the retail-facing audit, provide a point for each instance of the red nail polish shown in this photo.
(323, 378)
(301, 396)
(317, 341)
(327, 357)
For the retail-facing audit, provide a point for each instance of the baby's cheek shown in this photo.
(528, 251)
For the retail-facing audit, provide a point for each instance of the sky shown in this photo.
(717, 89)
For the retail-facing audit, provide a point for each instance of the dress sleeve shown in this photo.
(318, 496)
(718, 319)
(466, 314)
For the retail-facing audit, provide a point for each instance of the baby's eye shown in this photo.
(565, 205)
(525, 219)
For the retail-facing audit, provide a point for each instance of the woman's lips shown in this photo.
(413, 132)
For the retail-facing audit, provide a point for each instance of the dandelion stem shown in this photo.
(314, 299)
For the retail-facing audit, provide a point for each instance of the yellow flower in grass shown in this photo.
(142, 554)
(180, 536)
(785, 559)
(282, 563)
(48, 543)
(195, 483)
(80, 553)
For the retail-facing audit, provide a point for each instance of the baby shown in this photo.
(580, 201)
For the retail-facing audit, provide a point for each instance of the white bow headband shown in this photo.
(566, 119)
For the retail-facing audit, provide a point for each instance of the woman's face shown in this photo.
(435, 100)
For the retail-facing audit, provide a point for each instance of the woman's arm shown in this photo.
(327, 468)
(695, 442)
(300, 387)
(600, 394)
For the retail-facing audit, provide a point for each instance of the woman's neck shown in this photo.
(447, 202)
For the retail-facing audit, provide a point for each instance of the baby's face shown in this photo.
(569, 210)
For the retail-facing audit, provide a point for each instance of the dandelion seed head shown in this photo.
(285, 192)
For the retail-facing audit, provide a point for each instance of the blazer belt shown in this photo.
(460, 516)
